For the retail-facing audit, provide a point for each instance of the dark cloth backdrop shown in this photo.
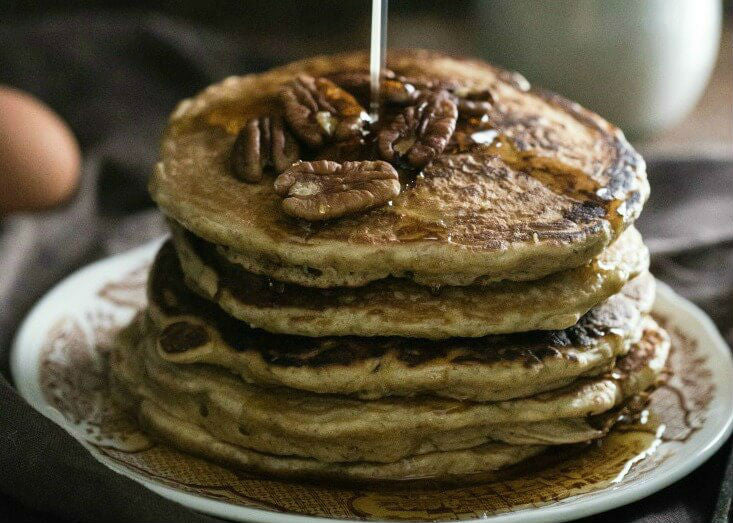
(115, 78)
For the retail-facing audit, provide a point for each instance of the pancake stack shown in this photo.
(447, 290)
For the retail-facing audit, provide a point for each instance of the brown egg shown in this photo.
(39, 156)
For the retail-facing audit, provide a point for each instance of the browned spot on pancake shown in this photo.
(182, 336)
(585, 212)
(638, 358)
(530, 356)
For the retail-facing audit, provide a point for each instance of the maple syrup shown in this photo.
(377, 54)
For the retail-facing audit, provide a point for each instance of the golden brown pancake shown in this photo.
(554, 187)
(400, 307)
(190, 329)
(191, 438)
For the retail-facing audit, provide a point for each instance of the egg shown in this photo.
(39, 155)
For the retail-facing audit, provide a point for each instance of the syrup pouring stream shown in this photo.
(377, 54)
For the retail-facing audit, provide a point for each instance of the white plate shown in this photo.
(58, 363)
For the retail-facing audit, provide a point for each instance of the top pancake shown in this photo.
(555, 187)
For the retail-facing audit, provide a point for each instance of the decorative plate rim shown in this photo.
(717, 429)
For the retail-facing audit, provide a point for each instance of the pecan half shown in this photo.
(319, 111)
(325, 189)
(391, 89)
(474, 103)
(420, 132)
(471, 101)
(263, 142)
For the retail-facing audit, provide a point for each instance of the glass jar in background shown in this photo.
(642, 64)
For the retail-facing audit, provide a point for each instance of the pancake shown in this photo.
(554, 187)
(336, 429)
(400, 307)
(190, 329)
(193, 439)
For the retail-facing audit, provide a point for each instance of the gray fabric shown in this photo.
(154, 62)
(688, 226)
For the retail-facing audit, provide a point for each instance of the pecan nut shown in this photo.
(263, 142)
(325, 189)
(473, 102)
(392, 90)
(319, 111)
(420, 132)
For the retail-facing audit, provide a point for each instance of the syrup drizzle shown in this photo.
(644, 453)
(377, 54)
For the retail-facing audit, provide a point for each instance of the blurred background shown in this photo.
(660, 69)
